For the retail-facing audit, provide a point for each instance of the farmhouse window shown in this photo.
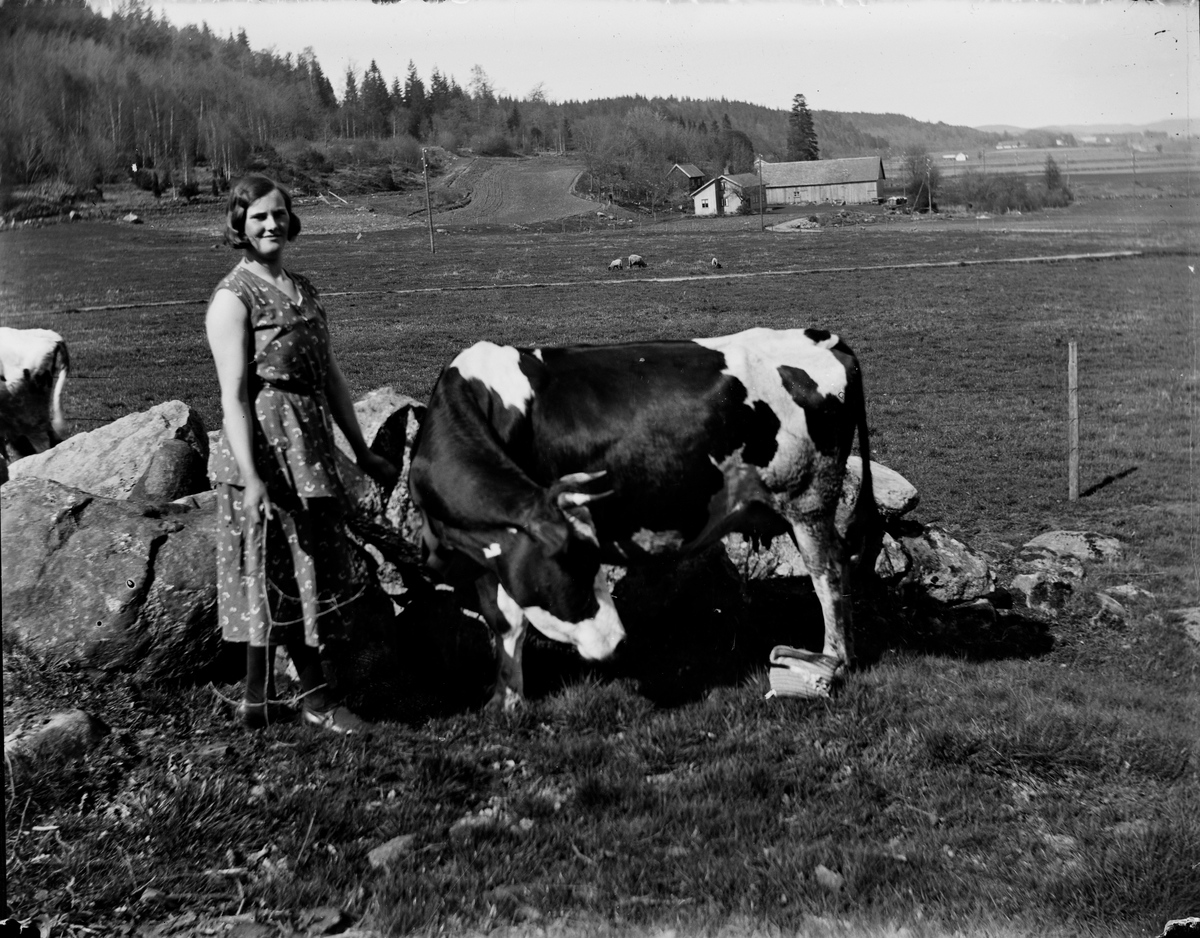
(704, 203)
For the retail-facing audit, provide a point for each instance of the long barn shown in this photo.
(855, 181)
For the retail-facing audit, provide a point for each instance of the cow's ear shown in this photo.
(580, 520)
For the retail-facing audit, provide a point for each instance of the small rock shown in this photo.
(1060, 843)
(828, 879)
(323, 921)
(893, 562)
(1111, 614)
(894, 495)
(65, 736)
(385, 853)
(1191, 621)
(1043, 591)
(132, 219)
(1129, 591)
(948, 570)
(1083, 545)
(1139, 827)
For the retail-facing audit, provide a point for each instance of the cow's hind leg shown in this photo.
(508, 624)
(822, 550)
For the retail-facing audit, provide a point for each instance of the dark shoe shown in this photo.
(338, 719)
(257, 716)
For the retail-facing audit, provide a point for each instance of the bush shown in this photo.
(264, 158)
(1006, 192)
(495, 145)
(447, 140)
(310, 159)
(405, 151)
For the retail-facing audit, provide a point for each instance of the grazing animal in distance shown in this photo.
(616, 265)
(635, 260)
(33, 369)
(533, 467)
(715, 264)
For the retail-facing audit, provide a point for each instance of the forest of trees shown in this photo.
(86, 92)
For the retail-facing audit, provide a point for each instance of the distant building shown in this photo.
(855, 181)
(956, 157)
(686, 175)
(1011, 145)
(725, 194)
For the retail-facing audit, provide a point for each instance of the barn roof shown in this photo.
(823, 172)
(744, 180)
(691, 170)
(740, 180)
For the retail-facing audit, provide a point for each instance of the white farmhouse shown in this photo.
(725, 194)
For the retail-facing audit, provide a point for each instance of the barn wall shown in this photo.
(854, 193)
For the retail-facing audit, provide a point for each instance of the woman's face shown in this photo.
(267, 226)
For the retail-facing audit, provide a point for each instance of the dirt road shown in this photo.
(516, 192)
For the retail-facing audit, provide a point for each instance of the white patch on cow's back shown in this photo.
(747, 352)
(754, 358)
(499, 368)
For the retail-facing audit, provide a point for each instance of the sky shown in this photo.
(1026, 63)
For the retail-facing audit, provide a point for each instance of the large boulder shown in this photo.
(387, 523)
(940, 566)
(895, 496)
(161, 453)
(390, 421)
(108, 583)
(131, 585)
(1051, 566)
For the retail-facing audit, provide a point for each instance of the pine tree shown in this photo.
(802, 138)
(376, 102)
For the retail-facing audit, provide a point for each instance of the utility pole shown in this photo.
(428, 202)
(762, 199)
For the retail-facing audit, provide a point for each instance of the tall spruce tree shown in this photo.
(375, 102)
(802, 138)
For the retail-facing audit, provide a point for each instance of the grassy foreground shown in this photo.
(1012, 788)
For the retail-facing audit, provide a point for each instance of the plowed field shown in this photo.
(516, 192)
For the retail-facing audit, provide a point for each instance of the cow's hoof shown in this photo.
(504, 701)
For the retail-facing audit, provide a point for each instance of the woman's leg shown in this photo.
(321, 707)
(257, 708)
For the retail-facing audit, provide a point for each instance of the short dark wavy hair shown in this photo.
(244, 193)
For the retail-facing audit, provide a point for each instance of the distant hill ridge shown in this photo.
(1173, 125)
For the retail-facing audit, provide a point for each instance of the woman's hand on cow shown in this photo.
(379, 468)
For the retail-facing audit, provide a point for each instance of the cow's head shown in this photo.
(549, 569)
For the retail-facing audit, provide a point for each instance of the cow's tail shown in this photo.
(61, 366)
(864, 533)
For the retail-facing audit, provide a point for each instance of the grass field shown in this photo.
(1050, 792)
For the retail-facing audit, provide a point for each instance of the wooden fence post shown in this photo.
(428, 203)
(1073, 422)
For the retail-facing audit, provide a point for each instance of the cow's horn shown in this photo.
(579, 498)
(581, 478)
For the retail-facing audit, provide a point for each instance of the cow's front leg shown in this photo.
(820, 546)
(508, 624)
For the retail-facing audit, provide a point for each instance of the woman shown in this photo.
(286, 570)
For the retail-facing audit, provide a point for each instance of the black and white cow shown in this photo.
(535, 466)
(33, 369)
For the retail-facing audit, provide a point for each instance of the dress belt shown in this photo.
(291, 385)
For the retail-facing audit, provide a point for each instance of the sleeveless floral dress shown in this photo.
(281, 578)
